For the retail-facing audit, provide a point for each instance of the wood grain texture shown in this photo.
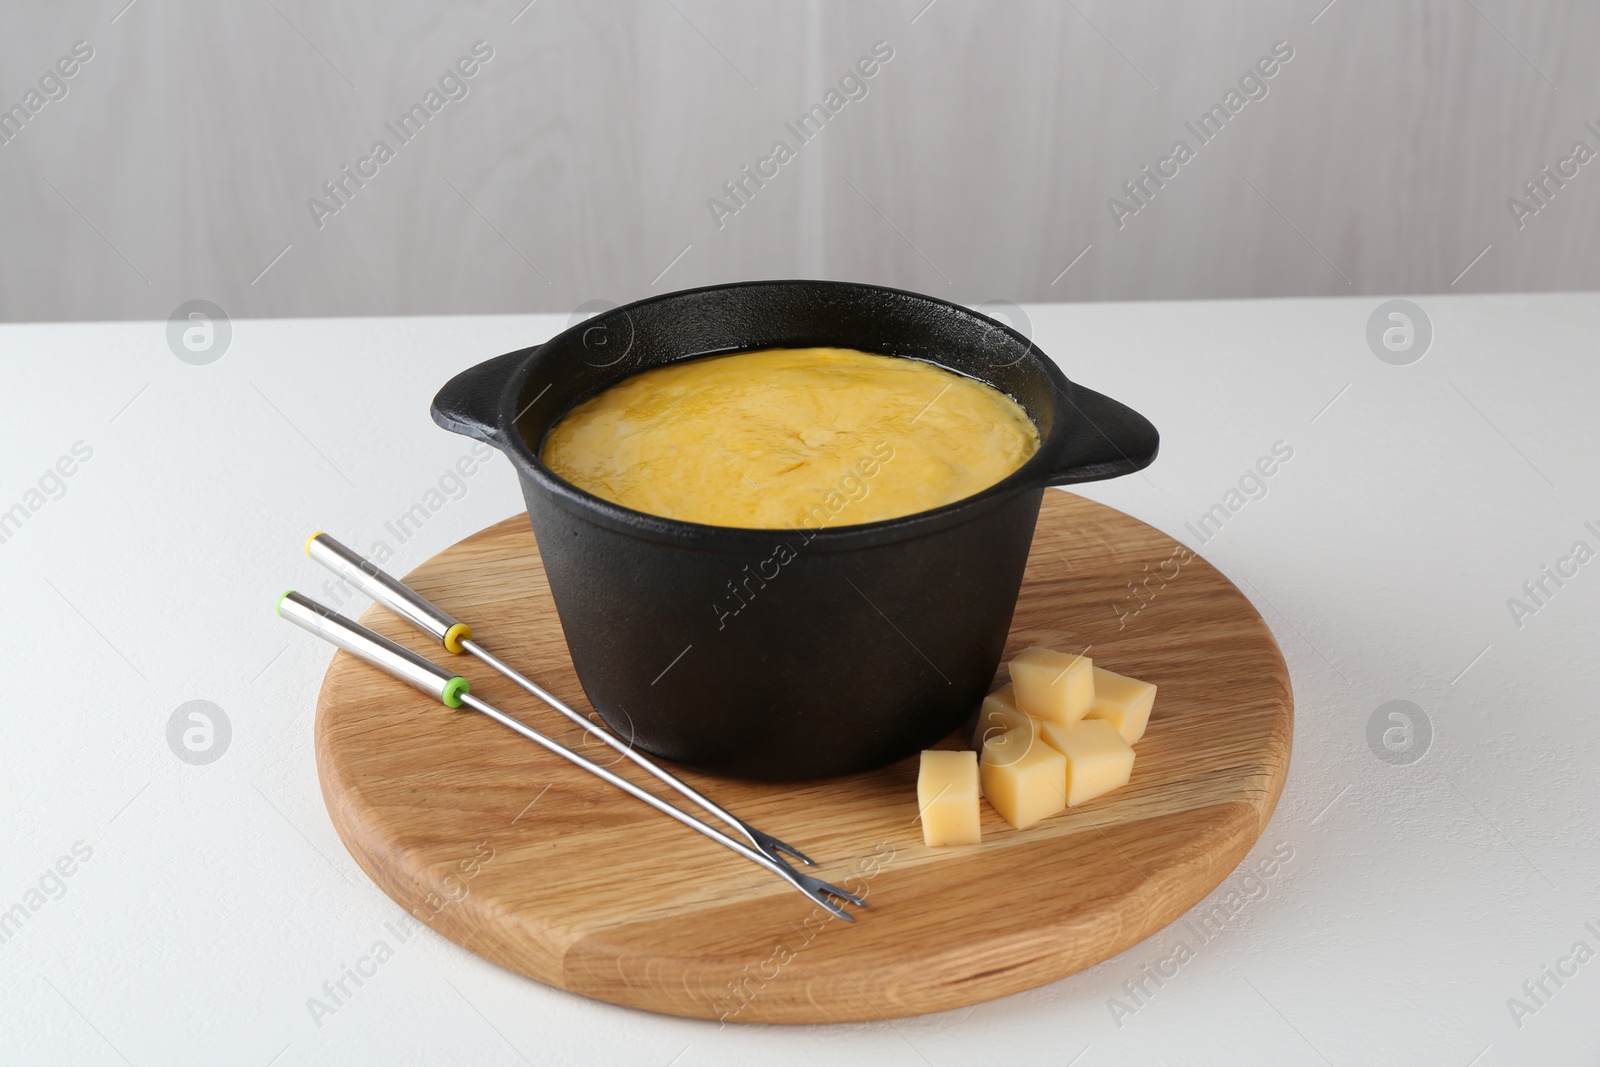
(525, 860)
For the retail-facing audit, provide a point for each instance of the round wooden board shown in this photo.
(527, 861)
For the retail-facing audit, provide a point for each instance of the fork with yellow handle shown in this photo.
(454, 691)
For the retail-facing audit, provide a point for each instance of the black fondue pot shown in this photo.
(798, 653)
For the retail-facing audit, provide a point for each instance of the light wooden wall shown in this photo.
(978, 165)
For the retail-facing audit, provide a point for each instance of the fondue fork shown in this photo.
(456, 636)
(453, 691)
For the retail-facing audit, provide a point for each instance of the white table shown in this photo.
(216, 899)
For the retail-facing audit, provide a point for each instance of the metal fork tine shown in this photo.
(771, 845)
(843, 894)
(820, 895)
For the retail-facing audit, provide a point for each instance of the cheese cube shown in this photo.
(1023, 780)
(1053, 686)
(1123, 702)
(1098, 759)
(947, 797)
(999, 714)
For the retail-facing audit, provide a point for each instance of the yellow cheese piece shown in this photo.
(791, 438)
(1123, 702)
(1053, 686)
(1000, 714)
(1098, 759)
(947, 797)
(1023, 779)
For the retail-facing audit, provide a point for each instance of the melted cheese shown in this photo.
(791, 438)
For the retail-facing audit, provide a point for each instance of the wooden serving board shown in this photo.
(527, 861)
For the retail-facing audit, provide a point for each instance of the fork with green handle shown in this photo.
(456, 637)
(454, 692)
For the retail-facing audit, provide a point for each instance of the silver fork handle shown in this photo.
(395, 659)
(382, 587)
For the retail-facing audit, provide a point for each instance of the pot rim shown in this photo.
(1040, 469)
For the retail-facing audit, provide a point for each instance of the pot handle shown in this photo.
(1104, 439)
(469, 403)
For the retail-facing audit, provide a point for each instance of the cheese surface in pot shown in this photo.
(791, 438)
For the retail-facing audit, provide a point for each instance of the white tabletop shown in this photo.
(208, 904)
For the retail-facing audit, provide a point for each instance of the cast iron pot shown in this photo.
(799, 653)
